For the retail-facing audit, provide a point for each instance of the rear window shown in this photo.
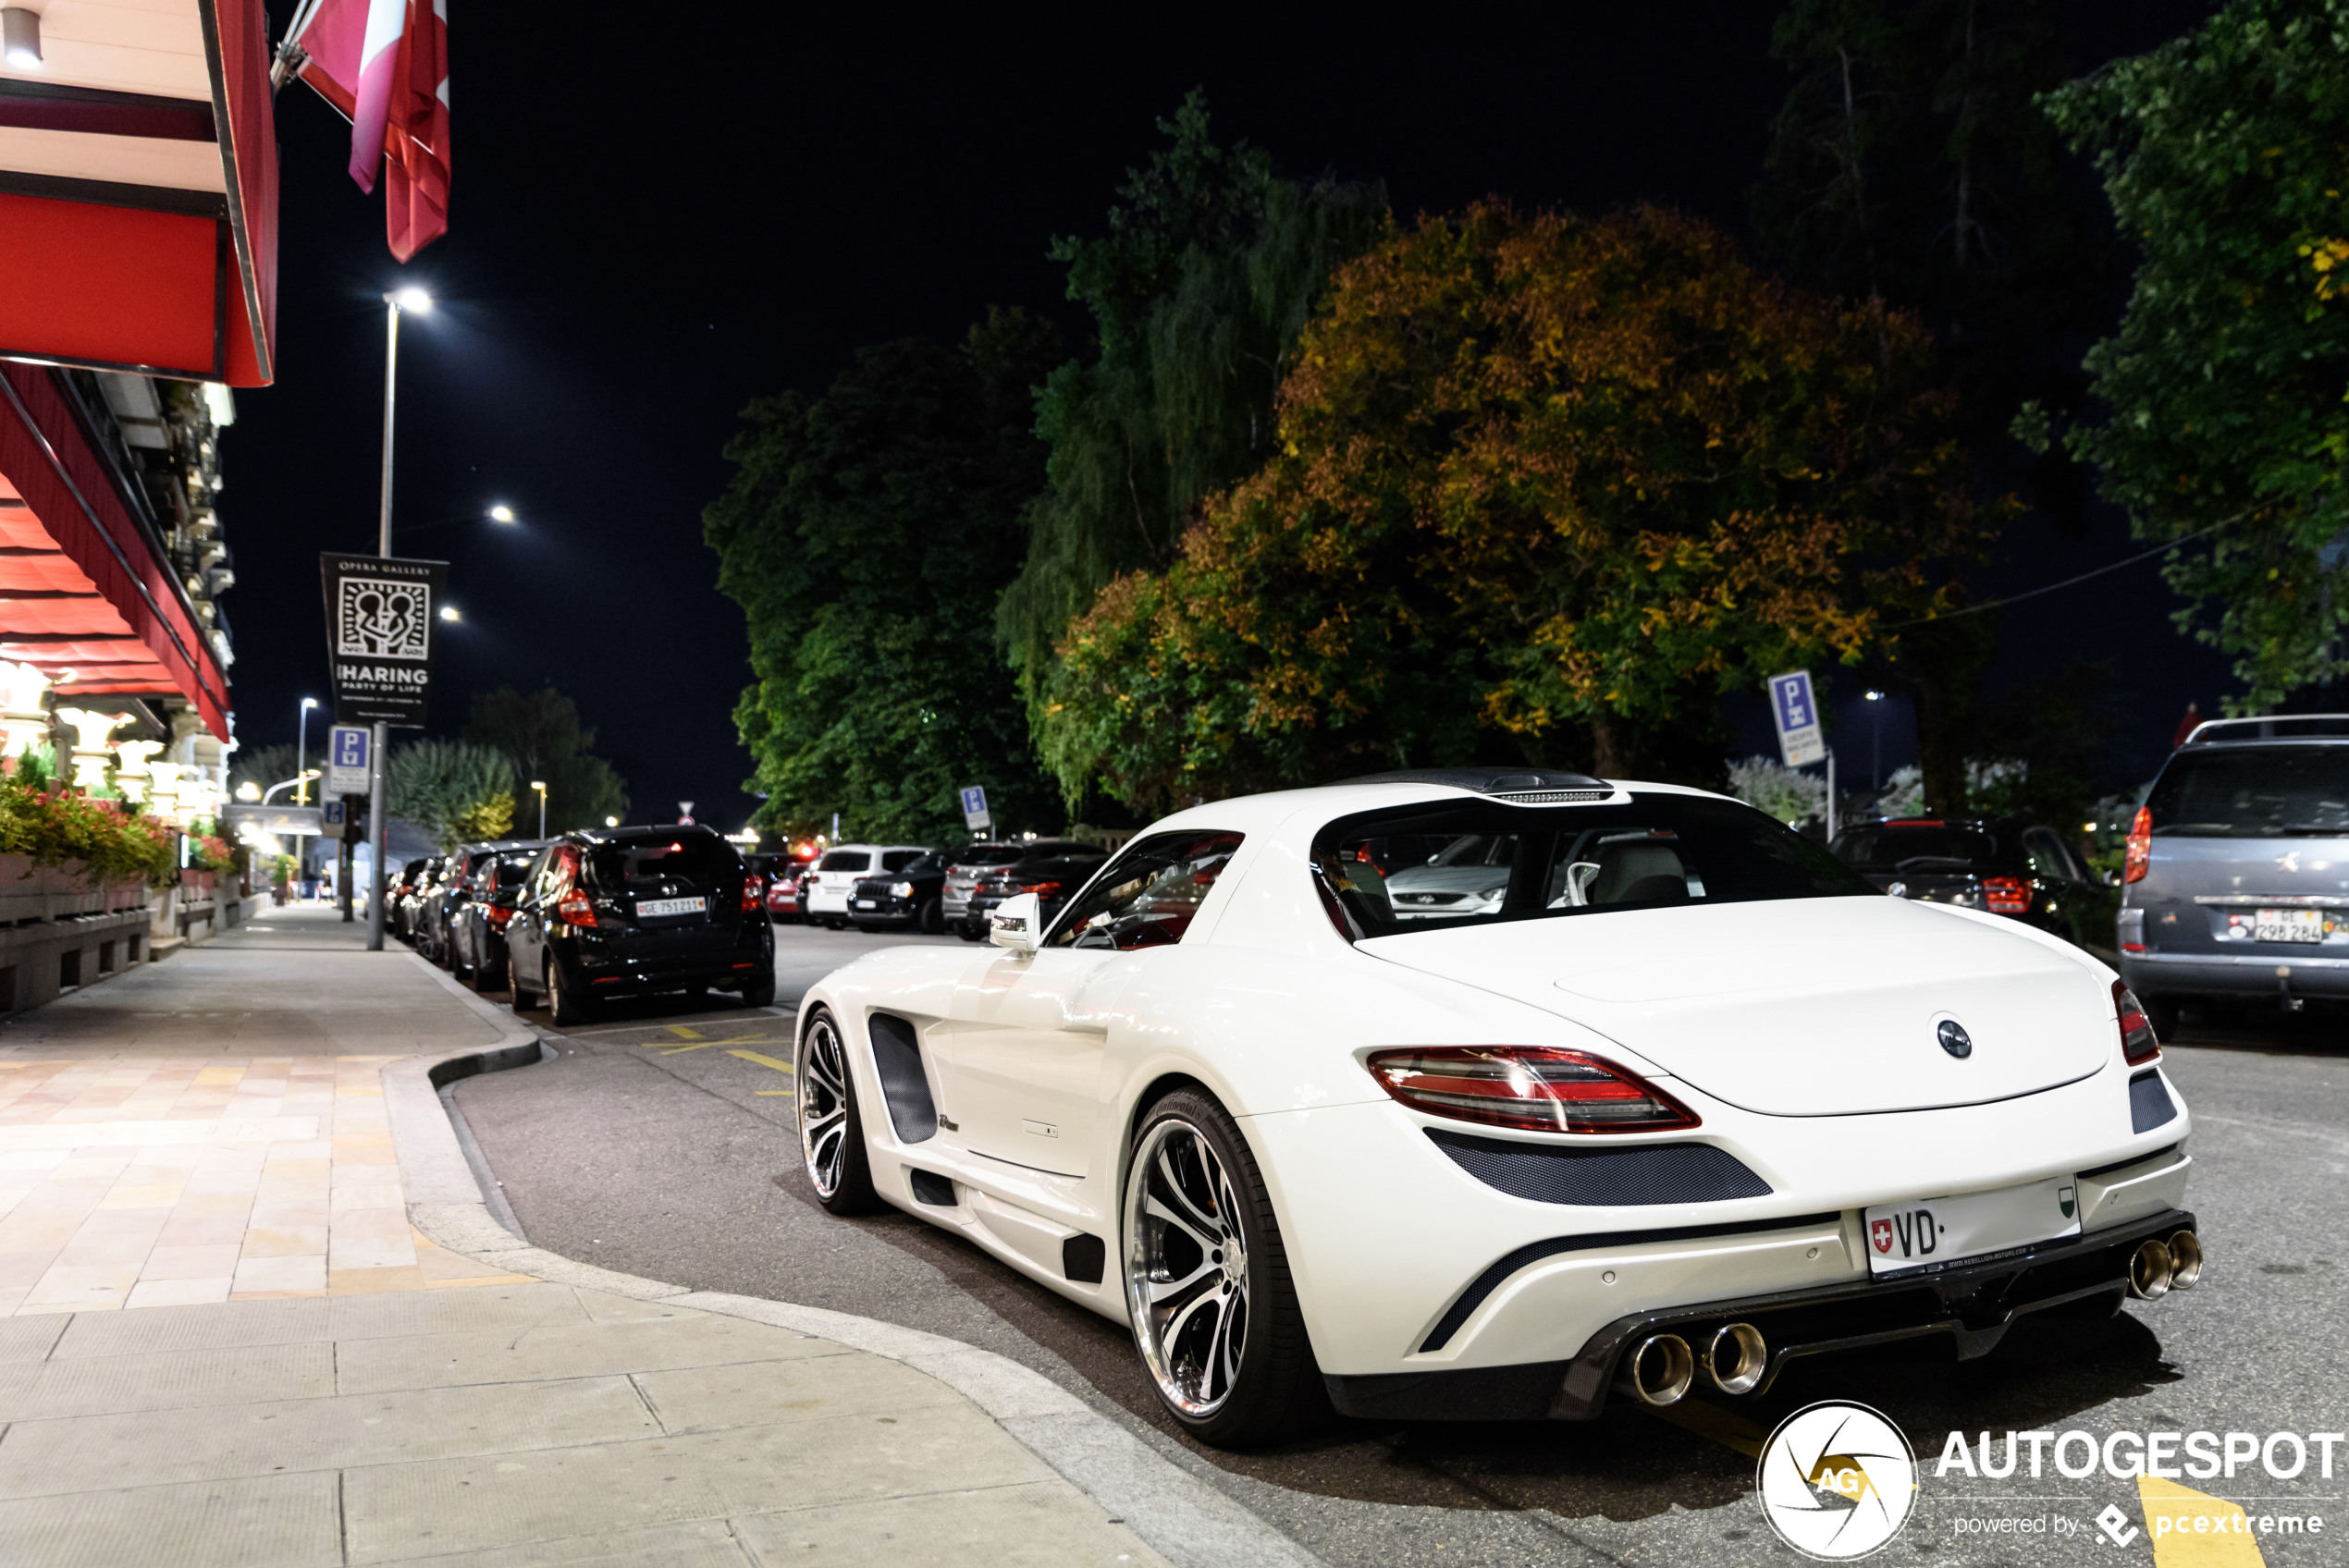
(987, 854)
(845, 860)
(898, 860)
(691, 863)
(1921, 848)
(2254, 792)
(1492, 862)
(513, 871)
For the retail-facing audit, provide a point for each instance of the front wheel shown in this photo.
(932, 920)
(832, 1133)
(1207, 1282)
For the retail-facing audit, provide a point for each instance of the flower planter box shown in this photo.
(31, 891)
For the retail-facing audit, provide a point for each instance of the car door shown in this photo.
(1023, 1052)
(525, 933)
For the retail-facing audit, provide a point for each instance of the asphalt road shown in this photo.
(660, 1142)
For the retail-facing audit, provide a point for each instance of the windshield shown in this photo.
(2254, 792)
(1499, 862)
(1917, 846)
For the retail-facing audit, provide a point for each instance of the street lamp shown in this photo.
(301, 751)
(501, 513)
(540, 786)
(1876, 741)
(395, 302)
(448, 612)
(611, 822)
(299, 778)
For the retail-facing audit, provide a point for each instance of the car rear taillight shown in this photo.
(499, 915)
(575, 908)
(2138, 1042)
(1041, 890)
(2140, 855)
(2006, 895)
(1538, 1088)
(753, 895)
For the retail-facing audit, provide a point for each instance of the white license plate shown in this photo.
(2288, 925)
(653, 909)
(1933, 1234)
(868, 903)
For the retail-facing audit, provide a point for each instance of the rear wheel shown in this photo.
(759, 992)
(932, 920)
(561, 1003)
(832, 1133)
(1207, 1282)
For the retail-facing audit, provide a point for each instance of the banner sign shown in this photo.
(347, 770)
(379, 623)
(271, 819)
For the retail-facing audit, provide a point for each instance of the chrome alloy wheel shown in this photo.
(1186, 1276)
(823, 1105)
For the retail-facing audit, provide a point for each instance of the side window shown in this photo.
(2047, 858)
(898, 860)
(1150, 895)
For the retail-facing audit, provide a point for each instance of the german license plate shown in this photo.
(868, 903)
(2288, 925)
(653, 908)
(1929, 1234)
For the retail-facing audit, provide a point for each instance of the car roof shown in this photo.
(2302, 726)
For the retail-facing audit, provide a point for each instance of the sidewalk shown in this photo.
(222, 1341)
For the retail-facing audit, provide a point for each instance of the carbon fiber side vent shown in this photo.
(1617, 1178)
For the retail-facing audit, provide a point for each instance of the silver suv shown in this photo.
(2237, 878)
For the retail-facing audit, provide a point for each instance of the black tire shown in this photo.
(932, 920)
(2162, 1013)
(490, 979)
(563, 1007)
(970, 931)
(1188, 1159)
(832, 1149)
(759, 992)
(521, 998)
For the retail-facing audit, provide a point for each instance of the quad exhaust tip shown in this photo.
(2151, 1271)
(1735, 1359)
(1658, 1371)
(2185, 1260)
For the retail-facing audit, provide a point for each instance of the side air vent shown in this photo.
(1083, 1257)
(897, 1059)
(2149, 1103)
(932, 1188)
(1645, 1173)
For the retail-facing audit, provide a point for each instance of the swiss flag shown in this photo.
(385, 65)
(1881, 1231)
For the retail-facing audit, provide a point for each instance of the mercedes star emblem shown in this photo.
(1954, 1039)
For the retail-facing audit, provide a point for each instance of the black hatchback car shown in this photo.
(2003, 866)
(909, 897)
(628, 911)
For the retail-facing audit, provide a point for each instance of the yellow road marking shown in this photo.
(2173, 1511)
(770, 1091)
(680, 1050)
(762, 1060)
(667, 1049)
(1711, 1421)
(684, 1034)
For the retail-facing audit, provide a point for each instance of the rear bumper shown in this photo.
(2272, 973)
(1973, 1306)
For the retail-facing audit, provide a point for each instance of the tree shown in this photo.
(1910, 164)
(2225, 154)
(458, 791)
(1550, 478)
(1198, 292)
(866, 535)
(541, 736)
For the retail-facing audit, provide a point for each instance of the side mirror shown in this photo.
(1017, 923)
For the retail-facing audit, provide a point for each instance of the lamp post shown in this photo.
(395, 302)
(302, 790)
(540, 785)
(1876, 741)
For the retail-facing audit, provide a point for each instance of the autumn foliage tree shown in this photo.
(1544, 480)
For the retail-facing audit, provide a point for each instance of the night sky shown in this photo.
(652, 226)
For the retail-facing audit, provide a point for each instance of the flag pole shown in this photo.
(378, 822)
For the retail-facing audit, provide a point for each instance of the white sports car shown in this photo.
(1690, 1101)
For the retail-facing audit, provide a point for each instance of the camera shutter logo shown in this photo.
(380, 617)
(1837, 1481)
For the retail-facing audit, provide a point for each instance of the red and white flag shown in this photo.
(385, 65)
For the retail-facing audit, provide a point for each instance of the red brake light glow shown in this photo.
(1042, 890)
(2006, 895)
(2139, 1043)
(754, 896)
(1537, 1088)
(498, 914)
(2140, 853)
(575, 909)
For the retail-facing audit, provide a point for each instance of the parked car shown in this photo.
(396, 896)
(1052, 870)
(2024, 871)
(966, 865)
(1716, 1107)
(2237, 882)
(911, 897)
(786, 894)
(419, 879)
(477, 929)
(623, 912)
(439, 911)
(426, 928)
(832, 880)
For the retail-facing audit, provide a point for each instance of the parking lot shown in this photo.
(660, 1142)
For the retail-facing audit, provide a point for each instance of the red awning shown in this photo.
(139, 193)
(85, 593)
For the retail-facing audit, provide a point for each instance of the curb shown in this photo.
(1184, 1519)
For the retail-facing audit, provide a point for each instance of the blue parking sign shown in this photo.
(1792, 694)
(350, 747)
(975, 802)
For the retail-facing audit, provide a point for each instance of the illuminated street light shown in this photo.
(247, 791)
(611, 822)
(1876, 741)
(414, 300)
(540, 786)
(448, 612)
(501, 513)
